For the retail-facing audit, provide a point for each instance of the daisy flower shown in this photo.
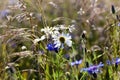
(47, 30)
(61, 39)
(62, 27)
(71, 28)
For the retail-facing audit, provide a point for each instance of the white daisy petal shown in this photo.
(69, 43)
(36, 40)
(42, 37)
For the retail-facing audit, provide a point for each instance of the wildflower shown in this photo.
(71, 28)
(4, 13)
(108, 62)
(77, 62)
(62, 39)
(62, 27)
(56, 28)
(51, 47)
(114, 61)
(117, 61)
(12, 2)
(23, 47)
(47, 30)
(67, 56)
(39, 39)
(119, 24)
(81, 11)
(94, 69)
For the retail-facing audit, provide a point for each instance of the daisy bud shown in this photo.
(113, 9)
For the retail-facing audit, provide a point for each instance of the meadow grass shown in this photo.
(59, 40)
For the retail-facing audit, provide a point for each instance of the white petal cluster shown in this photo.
(39, 39)
(47, 30)
(59, 34)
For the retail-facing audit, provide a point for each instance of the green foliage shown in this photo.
(24, 54)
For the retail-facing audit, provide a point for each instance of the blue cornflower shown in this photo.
(51, 47)
(77, 62)
(94, 69)
(117, 61)
(67, 56)
(119, 24)
(12, 2)
(108, 62)
(4, 13)
(114, 61)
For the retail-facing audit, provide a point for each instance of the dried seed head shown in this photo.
(113, 9)
(84, 34)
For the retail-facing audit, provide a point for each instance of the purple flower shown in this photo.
(51, 47)
(67, 56)
(117, 61)
(12, 2)
(108, 62)
(94, 69)
(114, 61)
(119, 24)
(76, 63)
(4, 13)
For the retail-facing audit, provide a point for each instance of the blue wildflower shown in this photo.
(67, 56)
(12, 2)
(108, 62)
(4, 13)
(119, 24)
(76, 62)
(51, 47)
(117, 61)
(114, 61)
(94, 69)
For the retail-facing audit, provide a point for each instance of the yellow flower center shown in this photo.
(62, 39)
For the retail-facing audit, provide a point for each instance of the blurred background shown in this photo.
(21, 21)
